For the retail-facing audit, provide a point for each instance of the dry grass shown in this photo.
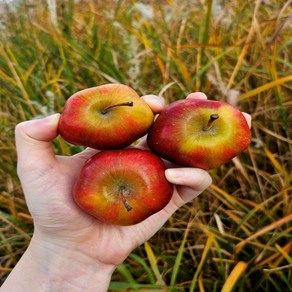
(237, 234)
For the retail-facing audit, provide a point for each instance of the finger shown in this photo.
(197, 95)
(190, 182)
(33, 141)
(156, 103)
(248, 118)
(86, 154)
(142, 144)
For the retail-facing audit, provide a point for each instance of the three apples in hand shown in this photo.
(123, 185)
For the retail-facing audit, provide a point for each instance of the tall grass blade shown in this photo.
(122, 269)
(284, 254)
(202, 262)
(143, 263)
(179, 257)
(272, 226)
(265, 87)
(234, 276)
(153, 263)
(246, 46)
(203, 39)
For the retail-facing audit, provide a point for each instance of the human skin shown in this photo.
(70, 250)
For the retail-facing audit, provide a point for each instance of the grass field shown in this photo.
(238, 233)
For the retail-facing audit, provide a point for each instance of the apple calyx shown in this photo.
(127, 103)
(123, 190)
(213, 118)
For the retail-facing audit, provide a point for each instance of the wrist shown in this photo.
(70, 268)
(48, 267)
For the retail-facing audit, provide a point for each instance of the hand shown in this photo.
(64, 230)
(47, 182)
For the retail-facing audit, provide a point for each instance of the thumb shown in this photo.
(33, 142)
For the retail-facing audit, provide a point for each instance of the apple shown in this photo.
(199, 133)
(105, 117)
(122, 186)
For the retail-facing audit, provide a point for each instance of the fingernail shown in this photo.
(154, 99)
(196, 95)
(185, 176)
(174, 173)
(51, 120)
(54, 118)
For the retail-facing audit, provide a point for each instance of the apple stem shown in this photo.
(125, 202)
(213, 117)
(127, 103)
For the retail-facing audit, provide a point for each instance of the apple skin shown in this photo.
(140, 174)
(84, 123)
(178, 133)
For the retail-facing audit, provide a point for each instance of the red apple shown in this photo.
(122, 187)
(199, 133)
(105, 117)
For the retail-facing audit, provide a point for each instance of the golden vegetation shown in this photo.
(238, 233)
